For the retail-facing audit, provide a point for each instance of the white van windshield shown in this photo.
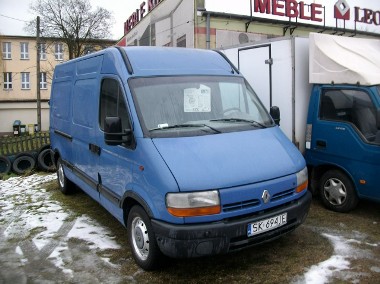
(197, 105)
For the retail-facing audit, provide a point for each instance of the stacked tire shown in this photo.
(23, 163)
(5, 165)
(45, 160)
(27, 162)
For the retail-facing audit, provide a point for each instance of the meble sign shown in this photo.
(290, 8)
(287, 8)
(314, 11)
(137, 16)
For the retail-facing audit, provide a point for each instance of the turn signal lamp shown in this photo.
(190, 204)
(302, 180)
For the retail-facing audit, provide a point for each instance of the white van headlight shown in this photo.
(302, 180)
(188, 204)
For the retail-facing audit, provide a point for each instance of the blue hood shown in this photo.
(229, 159)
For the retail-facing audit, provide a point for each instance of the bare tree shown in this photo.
(71, 21)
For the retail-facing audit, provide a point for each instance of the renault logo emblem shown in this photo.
(265, 196)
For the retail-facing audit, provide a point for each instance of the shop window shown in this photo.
(7, 50)
(24, 47)
(181, 41)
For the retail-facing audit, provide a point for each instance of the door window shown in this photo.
(112, 103)
(352, 106)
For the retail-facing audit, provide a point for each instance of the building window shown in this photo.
(42, 48)
(7, 80)
(7, 50)
(43, 83)
(24, 46)
(89, 49)
(25, 80)
(181, 41)
(59, 51)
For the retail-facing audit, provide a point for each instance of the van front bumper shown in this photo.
(196, 240)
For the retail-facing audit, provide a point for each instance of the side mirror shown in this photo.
(275, 114)
(113, 132)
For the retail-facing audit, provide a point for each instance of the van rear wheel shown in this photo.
(142, 239)
(65, 185)
(337, 191)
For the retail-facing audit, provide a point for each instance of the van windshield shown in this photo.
(197, 105)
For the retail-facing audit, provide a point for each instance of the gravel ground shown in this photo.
(50, 238)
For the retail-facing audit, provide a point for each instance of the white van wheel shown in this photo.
(142, 239)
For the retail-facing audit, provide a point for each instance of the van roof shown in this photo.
(149, 60)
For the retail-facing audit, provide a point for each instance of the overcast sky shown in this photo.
(13, 13)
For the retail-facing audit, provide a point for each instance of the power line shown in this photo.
(13, 18)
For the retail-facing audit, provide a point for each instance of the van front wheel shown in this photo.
(142, 239)
(337, 191)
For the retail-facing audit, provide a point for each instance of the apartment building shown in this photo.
(19, 78)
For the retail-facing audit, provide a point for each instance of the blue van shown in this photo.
(176, 145)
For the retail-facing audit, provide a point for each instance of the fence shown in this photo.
(25, 143)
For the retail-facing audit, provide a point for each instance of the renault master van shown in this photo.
(176, 145)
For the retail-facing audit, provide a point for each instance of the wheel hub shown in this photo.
(140, 238)
(335, 191)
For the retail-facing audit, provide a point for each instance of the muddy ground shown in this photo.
(46, 237)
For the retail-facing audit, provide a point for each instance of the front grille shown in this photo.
(241, 205)
(281, 195)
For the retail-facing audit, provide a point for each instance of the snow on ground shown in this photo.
(339, 264)
(26, 211)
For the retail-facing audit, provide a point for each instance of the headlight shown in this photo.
(190, 204)
(302, 180)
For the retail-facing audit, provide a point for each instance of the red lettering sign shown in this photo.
(276, 5)
(142, 10)
(137, 16)
(290, 8)
(367, 16)
(262, 6)
(316, 9)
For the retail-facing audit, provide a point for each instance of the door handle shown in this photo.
(321, 144)
(94, 148)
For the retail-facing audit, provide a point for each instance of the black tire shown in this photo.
(23, 163)
(65, 185)
(142, 239)
(5, 165)
(45, 161)
(47, 146)
(337, 191)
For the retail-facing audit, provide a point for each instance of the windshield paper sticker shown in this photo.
(197, 100)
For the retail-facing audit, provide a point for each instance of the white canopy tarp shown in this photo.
(343, 60)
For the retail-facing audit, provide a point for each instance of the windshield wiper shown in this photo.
(184, 126)
(254, 122)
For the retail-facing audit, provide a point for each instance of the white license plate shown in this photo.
(266, 225)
